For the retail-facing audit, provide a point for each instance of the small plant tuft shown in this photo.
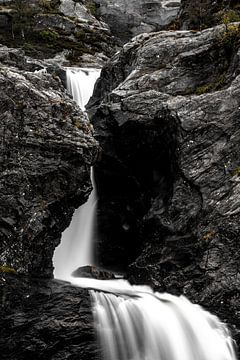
(48, 35)
(7, 269)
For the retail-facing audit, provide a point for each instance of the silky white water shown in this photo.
(75, 249)
(133, 322)
(158, 326)
(80, 84)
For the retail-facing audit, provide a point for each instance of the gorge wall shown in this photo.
(47, 148)
(166, 114)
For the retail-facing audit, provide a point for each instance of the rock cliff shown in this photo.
(166, 113)
(47, 148)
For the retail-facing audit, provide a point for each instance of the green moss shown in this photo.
(209, 236)
(91, 7)
(230, 16)
(47, 5)
(215, 85)
(78, 124)
(48, 35)
(236, 172)
(231, 36)
(80, 34)
(7, 269)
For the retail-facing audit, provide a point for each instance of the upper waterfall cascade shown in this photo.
(76, 244)
(80, 83)
(133, 322)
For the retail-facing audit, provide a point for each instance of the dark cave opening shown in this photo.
(141, 168)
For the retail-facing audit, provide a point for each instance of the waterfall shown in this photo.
(75, 249)
(133, 322)
(80, 83)
(158, 326)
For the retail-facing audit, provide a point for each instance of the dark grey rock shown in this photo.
(93, 272)
(45, 320)
(48, 29)
(206, 13)
(166, 114)
(129, 18)
(47, 148)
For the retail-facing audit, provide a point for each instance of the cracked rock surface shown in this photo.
(166, 114)
(47, 148)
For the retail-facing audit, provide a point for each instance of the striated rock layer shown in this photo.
(166, 113)
(47, 148)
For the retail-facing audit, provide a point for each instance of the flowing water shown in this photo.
(76, 244)
(133, 322)
(80, 83)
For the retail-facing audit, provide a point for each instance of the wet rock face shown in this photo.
(47, 149)
(129, 18)
(45, 320)
(168, 124)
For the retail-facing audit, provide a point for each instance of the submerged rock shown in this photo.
(47, 148)
(45, 320)
(168, 181)
(93, 272)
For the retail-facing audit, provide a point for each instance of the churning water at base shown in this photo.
(76, 244)
(133, 322)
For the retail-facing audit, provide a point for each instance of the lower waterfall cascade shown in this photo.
(133, 322)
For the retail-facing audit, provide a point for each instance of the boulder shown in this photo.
(93, 272)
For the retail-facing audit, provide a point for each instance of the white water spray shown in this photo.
(75, 249)
(133, 322)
